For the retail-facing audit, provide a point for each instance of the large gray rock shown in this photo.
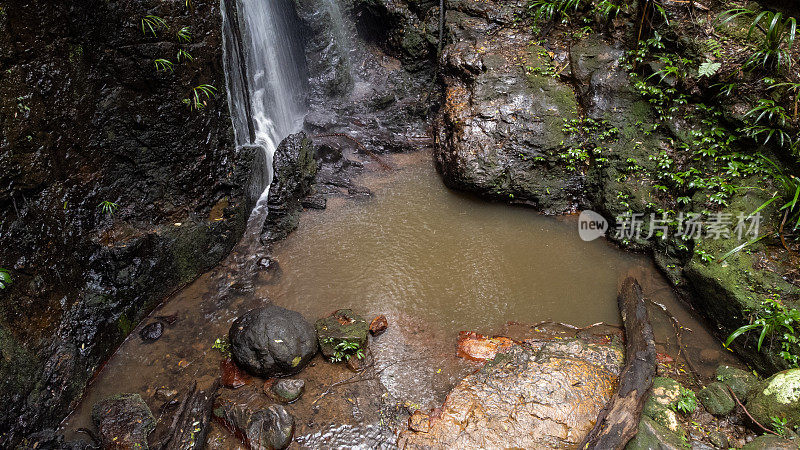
(272, 341)
(779, 396)
(123, 421)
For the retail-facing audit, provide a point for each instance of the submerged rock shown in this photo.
(272, 341)
(779, 396)
(152, 332)
(525, 398)
(343, 326)
(123, 421)
(286, 390)
(378, 325)
(232, 376)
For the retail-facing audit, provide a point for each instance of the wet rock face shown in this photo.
(294, 170)
(123, 422)
(272, 341)
(502, 119)
(89, 120)
(524, 399)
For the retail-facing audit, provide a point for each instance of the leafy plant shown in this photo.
(200, 95)
(687, 402)
(107, 207)
(184, 34)
(608, 9)
(345, 349)
(153, 24)
(789, 191)
(769, 120)
(223, 346)
(778, 35)
(183, 54)
(163, 65)
(5, 278)
(708, 69)
(547, 10)
(779, 425)
(774, 318)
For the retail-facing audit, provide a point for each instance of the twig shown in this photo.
(678, 334)
(748, 414)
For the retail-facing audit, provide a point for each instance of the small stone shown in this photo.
(152, 332)
(286, 390)
(420, 422)
(378, 325)
(123, 421)
(716, 399)
(165, 394)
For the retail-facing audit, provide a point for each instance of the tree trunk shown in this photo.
(618, 422)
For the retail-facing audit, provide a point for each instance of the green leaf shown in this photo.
(5, 279)
(708, 69)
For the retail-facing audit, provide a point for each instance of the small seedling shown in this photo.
(5, 278)
(152, 24)
(107, 207)
(163, 65)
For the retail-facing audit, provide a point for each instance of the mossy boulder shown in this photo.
(651, 436)
(740, 381)
(779, 396)
(716, 399)
(342, 326)
(770, 442)
(663, 397)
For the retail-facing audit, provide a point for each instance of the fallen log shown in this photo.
(191, 421)
(618, 422)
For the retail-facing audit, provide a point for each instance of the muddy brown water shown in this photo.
(435, 262)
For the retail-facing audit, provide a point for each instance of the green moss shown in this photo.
(124, 325)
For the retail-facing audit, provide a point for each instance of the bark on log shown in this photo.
(618, 422)
(191, 421)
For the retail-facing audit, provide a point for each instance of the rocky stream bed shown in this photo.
(88, 123)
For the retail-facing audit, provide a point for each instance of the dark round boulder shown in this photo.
(152, 331)
(272, 341)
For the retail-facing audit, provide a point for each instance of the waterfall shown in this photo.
(266, 74)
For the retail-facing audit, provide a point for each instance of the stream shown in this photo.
(434, 261)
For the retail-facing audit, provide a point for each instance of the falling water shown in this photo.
(266, 73)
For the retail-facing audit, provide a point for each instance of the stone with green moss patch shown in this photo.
(779, 396)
